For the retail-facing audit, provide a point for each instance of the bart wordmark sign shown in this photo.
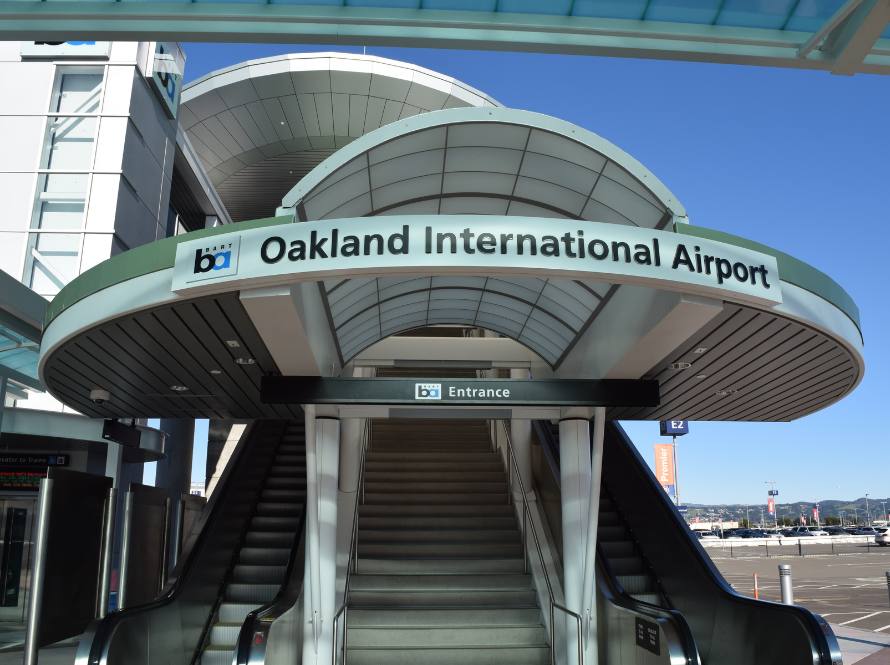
(476, 245)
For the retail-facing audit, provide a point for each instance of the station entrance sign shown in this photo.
(458, 392)
(470, 244)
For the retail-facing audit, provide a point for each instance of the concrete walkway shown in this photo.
(864, 647)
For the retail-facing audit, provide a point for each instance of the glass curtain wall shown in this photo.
(63, 182)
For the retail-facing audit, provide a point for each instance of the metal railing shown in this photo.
(527, 520)
(352, 561)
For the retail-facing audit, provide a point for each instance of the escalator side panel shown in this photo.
(728, 628)
(169, 630)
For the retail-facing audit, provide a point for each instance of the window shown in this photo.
(64, 179)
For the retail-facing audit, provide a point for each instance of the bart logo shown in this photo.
(219, 260)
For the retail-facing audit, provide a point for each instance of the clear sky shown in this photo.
(795, 159)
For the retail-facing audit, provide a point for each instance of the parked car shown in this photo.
(772, 533)
(882, 538)
(866, 531)
(817, 531)
(709, 536)
(800, 532)
(835, 531)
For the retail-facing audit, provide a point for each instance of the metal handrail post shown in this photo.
(353, 553)
(107, 551)
(125, 551)
(32, 635)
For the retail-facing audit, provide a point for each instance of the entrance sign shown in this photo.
(471, 244)
(458, 392)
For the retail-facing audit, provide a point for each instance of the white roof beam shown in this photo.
(852, 39)
(638, 328)
(482, 352)
(293, 324)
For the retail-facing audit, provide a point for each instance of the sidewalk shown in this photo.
(864, 647)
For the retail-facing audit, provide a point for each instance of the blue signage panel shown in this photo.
(674, 427)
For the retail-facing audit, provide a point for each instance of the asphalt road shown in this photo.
(848, 590)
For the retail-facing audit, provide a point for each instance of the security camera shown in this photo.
(99, 396)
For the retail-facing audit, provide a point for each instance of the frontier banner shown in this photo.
(664, 468)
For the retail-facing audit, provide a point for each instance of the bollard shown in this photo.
(757, 590)
(887, 575)
(785, 584)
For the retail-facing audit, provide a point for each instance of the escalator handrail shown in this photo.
(208, 624)
(105, 628)
(818, 628)
(607, 582)
(257, 624)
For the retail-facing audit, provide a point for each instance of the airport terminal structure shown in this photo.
(414, 318)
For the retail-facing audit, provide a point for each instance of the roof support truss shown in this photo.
(125, 20)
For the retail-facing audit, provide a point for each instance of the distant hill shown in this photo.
(849, 510)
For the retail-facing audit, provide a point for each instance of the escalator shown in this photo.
(650, 561)
(240, 568)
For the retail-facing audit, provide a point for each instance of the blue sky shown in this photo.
(794, 159)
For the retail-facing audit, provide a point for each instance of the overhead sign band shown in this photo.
(459, 392)
(454, 244)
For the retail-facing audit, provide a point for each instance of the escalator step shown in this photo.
(274, 539)
(611, 533)
(218, 655)
(224, 635)
(275, 508)
(251, 593)
(288, 495)
(235, 612)
(608, 518)
(626, 565)
(271, 523)
(618, 549)
(263, 556)
(635, 584)
(253, 574)
(286, 482)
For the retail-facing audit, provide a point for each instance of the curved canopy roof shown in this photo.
(261, 125)
(494, 161)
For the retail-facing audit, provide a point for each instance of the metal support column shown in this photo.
(593, 510)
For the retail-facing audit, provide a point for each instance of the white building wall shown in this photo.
(85, 172)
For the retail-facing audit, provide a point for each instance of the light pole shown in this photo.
(747, 517)
(867, 512)
(841, 514)
(884, 510)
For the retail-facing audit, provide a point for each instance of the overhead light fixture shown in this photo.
(700, 350)
(245, 361)
(216, 371)
(726, 393)
(179, 389)
(701, 376)
(681, 365)
(233, 344)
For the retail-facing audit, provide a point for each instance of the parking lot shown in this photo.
(846, 589)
